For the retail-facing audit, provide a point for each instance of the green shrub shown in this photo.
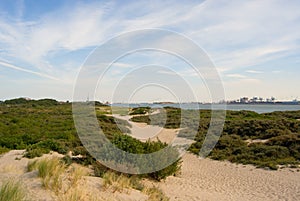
(3, 150)
(139, 110)
(35, 152)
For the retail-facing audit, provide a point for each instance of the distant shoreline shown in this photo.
(225, 103)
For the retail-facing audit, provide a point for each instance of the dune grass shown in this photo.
(12, 190)
(155, 194)
(50, 170)
(117, 182)
(59, 178)
(73, 195)
(76, 175)
(32, 165)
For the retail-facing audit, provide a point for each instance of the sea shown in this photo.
(258, 108)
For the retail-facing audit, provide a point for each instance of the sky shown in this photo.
(254, 46)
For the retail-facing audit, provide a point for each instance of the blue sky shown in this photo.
(255, 45)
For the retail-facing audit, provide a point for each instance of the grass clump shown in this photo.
(155, 194)
(76, 175)
(32, 165)
(117, 182)
(50, 170)
(12, 190)
(73, 195)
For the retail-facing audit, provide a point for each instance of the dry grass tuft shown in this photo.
(76, 175)
(155, 194)
(51, 171)
(12, 190)
(116, 182)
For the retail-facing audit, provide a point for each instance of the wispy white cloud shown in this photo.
(235, 76)
(11, 66)
(254, 71)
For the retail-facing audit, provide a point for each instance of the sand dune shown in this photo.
(90, 187)
(205, 179)
(200, 179)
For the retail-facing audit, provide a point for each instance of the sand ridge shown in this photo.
(206, 179)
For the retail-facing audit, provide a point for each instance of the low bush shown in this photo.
(139, 111)
(3, 150)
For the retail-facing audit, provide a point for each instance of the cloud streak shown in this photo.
(11, 66)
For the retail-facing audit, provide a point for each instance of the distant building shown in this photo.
(244, 100)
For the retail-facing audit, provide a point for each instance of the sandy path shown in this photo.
(215, 180)
(143, 132)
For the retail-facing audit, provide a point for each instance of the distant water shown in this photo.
(259, 108)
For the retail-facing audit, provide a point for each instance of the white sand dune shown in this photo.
(206, 179)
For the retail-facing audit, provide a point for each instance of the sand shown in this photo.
(206, 179)
(144, 132)
(90, 188)
(200, 179)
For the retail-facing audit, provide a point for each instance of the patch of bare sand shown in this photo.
(144, 132)
(250, 141)
(206, 179)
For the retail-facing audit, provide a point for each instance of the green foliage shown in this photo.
(172, 121)
(46, 125)
(12, 190)
(139, 110)
(23, 101)
(132, 145)
(3, 150)
(281, 130)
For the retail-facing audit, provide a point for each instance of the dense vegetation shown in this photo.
(139, 110)
(265, 140)
(47, 125)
